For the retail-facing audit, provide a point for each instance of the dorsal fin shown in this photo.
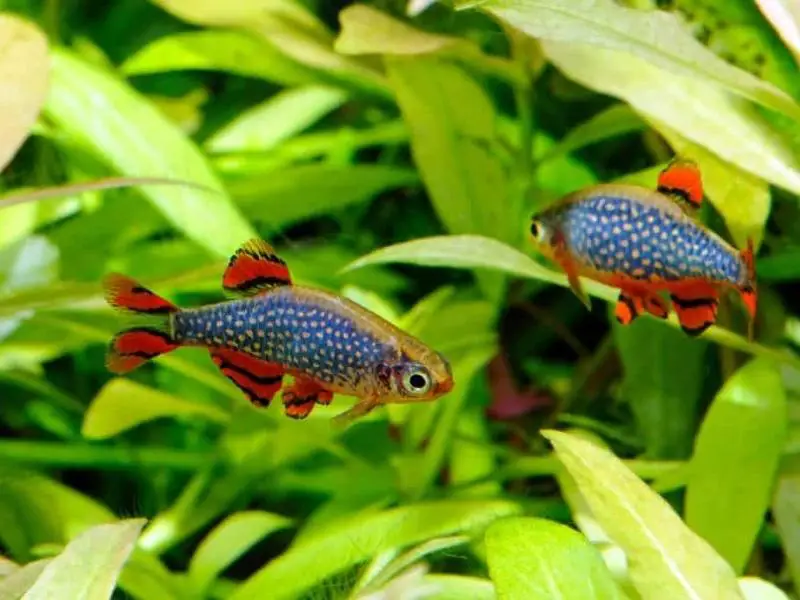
(681, 179)
(255, 268)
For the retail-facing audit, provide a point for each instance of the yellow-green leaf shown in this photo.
(655, 36)
(537, 559)
(727, 126)
(218, 12)
(24, 71)
(736, 458)
(100, 112)
(122, 404)
(784, 15)
(666, 559)
(88, 568)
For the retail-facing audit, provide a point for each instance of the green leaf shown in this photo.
(305, 191)
(666, 559)
(754, 588)
(122, 404)
(784, 15)
(478, 252)
(727, 126)
(14, 585)
(23, 69)
(238, 52)
(281, 117)
(653, 35)
(663, 375)
(453, 127)
(786, 514)
(86, 103)
(458, 587)
(742, 200)
(538, 559)
(230, 540)
(351, 541)
(89, 565)
(218, 12)
(732, 482)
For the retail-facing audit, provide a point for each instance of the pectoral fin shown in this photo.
(300, 398)
(630, 305)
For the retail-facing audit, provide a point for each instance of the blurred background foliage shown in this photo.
(393, 152)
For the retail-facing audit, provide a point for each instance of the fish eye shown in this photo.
(416, 380)
(538, 231)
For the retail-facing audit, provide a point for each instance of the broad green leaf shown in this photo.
(742, 199)
(648, 35)
(663, 375)
(305, 191)
(351, 541)
(458, 587)
(35, 509)
(542, 560)
(238, 52)
(453, 126)
(727, 126)
(219, 12)
(279, 118)
(24, 71)
(146, 578)
(122, 404)
(666, 559)
(754, 588)
(478, 252)
(786, 513)
(784, 15)
(88, 105)
(735, 461)
(14, 585)
(228, 541)
(89, 565)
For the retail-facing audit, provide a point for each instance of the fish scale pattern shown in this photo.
(286, 328)
(620, 235)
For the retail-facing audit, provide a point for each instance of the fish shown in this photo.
(272, 328)
(648, 243)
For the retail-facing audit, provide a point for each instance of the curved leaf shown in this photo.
(732, 481)
(666, 559)
(90, 564)
(542, 560)
(354, 540)
(122, 404)
(24, 67)
(653, 35)
(784, 15)
(102, 113)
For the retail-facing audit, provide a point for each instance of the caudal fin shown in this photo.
(133, 347)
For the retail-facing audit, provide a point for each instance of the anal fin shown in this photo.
(695, 313)
(258, 379)
(300, 398)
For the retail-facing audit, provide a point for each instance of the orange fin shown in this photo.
(132, 348)
(695, 314)
(682, 178)
(656, 306)
(124, 293)
(300, 397)
(258, 379)
(628, 308)
(255, 268)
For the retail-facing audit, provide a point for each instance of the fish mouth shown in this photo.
(445, 386)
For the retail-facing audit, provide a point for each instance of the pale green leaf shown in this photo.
(458, 587)
(478, 252)
(281, 117)
(786, 513)
(728, 126)
(100, 112)
(24, 71)
(736, 458)
(652, 35)
(754, 588)
(742, 199)
(351, 541)
(542, 560)
(666, 559)
(87, 569)
(122, 404)
(451, 142)
(219, 12)
(238, 52)
(14, 585)
(784, 15)
(228, 541)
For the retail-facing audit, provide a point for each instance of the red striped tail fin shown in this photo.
(133, 347)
